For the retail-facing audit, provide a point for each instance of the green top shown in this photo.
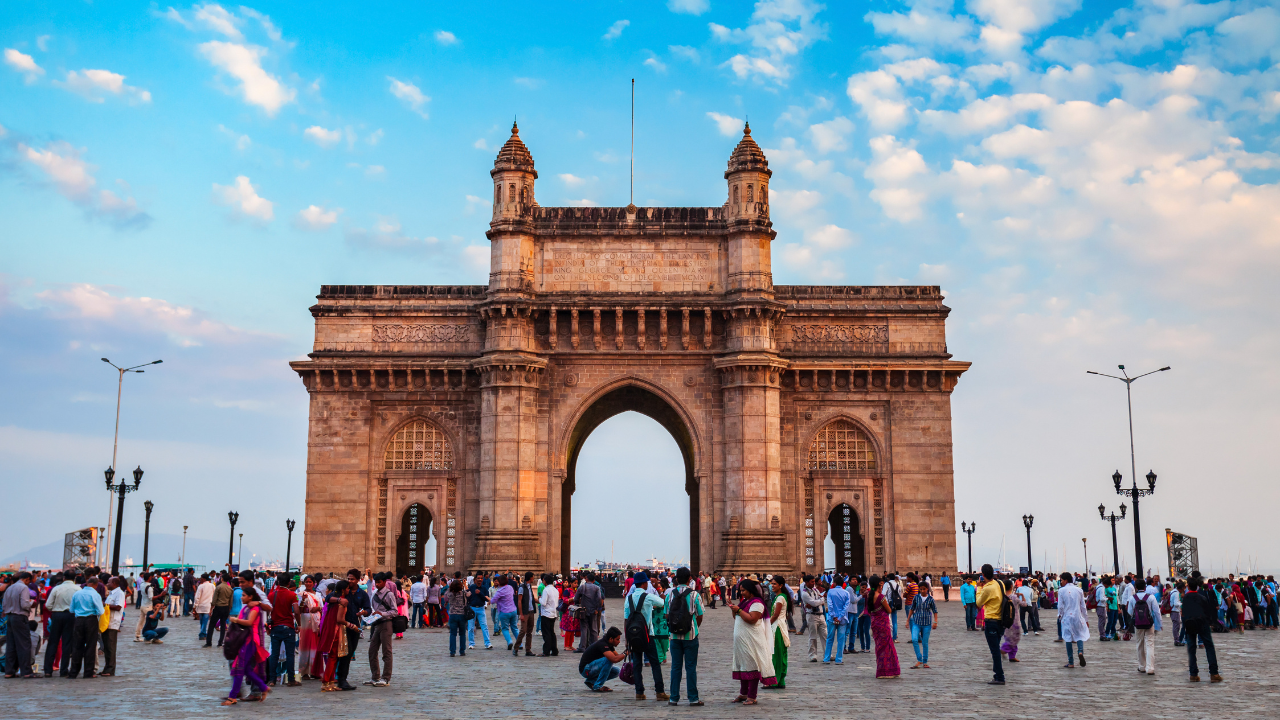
(1111, 598)
(695, 609)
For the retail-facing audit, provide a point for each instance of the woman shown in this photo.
(752, 649)
(435, 617)
(661, 632)
(310, 607)
(781, 639)
(332, 641)
(923, 616)
(569, 621)
(454, 602)
(401, 590)
(857, 603)
(1013, 633)
(886, 654)
(864, 618)
(252, 654)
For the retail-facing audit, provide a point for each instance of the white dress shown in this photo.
(1071, 611)
(753, 645)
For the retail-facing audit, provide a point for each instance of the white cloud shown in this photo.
(1252, 36)
(216, 18)
(244, 63)
(571, 180)
(73, 177)
(94, 85)
(728, 125)
(374, 171)
(316, 217)
(830, 136)
(615, 30)
(243, 199)
(778, 32)
(1009, 21)
(322, 137)
(926, 28)
(880, 94)
(375, 137)
(480, 144)
(686, 52)
(656, 64)
(268, 27)
(986, 114)
(410, 95)
(689, 7)
(42, 42)
(444, 37)
(24, 64)
(584, 202)
(830, 237)
(241, 140)
(894, 171)
(387, 234)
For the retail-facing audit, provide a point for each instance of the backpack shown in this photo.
(679, 619)
(636, 629)
(1142, 613)
(895, 597)
(1165, 606)
(1006, 611)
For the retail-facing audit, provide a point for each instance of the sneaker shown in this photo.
(370, 682)
(1082, 661)
(471, 647)
(695, 703)
(995, 682)
(382, 683)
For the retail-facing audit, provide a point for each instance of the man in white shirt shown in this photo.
(1126, 594)
(146, 594)
(815, 615)
(60, 623)
(115, 603)
(1175, 612)
(549, 605)
(202, 604)
(893, 589)
(417, 596)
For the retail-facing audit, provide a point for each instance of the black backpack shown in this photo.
(895, 597)
(679, 619)
(636, 629)
(1006, 610)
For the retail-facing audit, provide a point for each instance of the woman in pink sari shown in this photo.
(251, 658)
(886, 654)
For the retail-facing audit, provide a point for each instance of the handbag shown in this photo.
(237, 634)
(626, 673)
(399, 623)
(469, 614)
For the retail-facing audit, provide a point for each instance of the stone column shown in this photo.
(510, 481)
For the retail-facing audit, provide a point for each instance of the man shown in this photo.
(16, 606)
(115, 603)
(946, 586)
(477, 599)
(1199, 615)
(188, 591)
(284, 629)
(527, 607)
(814, 603)
(1029, 613)
(1175, 611)
(1073, 618)
(549, 611)
(642, 601)
(148, 598)
(590, 598)
(357, 607)
(1126, 594)
(598, 660)
(893, 593)
(990, 597)
(61, 622)
(969, 598)
(1144, 610)
(151, 630)
(87, 606)
(202, 604)
(837, 621)
(418, 598)
(684, 645)
(385, 604)
(221, 609)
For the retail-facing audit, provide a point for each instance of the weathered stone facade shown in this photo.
(790, 404)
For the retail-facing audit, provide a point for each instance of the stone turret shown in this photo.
(747, 213)
(513, 176)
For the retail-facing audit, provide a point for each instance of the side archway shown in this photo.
(415, 528)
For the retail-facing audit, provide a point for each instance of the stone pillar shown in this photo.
(510, 481)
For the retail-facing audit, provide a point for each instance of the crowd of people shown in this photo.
(287, 628)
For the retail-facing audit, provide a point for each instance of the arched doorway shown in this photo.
(846, 535)
(411, 545)
(641, 400)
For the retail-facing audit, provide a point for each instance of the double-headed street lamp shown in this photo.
(121, 489)
(1115, 546)
(288, 548)
(115, 444)
(968, 530)
(1133, 492)
(146, 535)
(1027, 521)
(231, 546)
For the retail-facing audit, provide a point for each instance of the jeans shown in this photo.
(484, 628)
(217, 619)
(288, 637)
(1199, 630)
(1071, 658)
(970, 616)
(684, 657)
(894, 618)
(1175, 618)
(457, 624)
(599, 672)
(946, 593)
(507, 626)
(994, 631)
(920, 641)
(415, 620)
(344, 663)
(60, 625)
(647, 652)
(837, 634)
(864, 633)
(204, 624)
(156, 634)
(1112, 616)
(550, 644)
(188, 599)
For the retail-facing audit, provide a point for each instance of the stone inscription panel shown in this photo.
(421, 333)
(666, 267)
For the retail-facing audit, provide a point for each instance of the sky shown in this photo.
(1090, 184)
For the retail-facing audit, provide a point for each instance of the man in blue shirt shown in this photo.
(644, 601)
(969, 597)
(86, 605)
(837, 620)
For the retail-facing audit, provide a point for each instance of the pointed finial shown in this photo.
(514, 129)
(746, 130)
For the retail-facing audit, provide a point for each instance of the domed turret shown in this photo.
(747, 156)
(748, 175)
(513, 175)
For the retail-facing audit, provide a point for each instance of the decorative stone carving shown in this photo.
(840, 333)
(422, 333)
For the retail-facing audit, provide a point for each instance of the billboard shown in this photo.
(1184, 554)
(79, 548)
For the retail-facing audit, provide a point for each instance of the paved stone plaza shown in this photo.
(180, 679)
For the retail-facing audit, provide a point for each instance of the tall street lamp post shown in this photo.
(121, 489)
(968, 530)
(184, 546)
(1133, 492)
(115, 444)
(1086, 557)
(231, 545)
(146, 535)
(240, 551)
(288, 548)
(1027, 521)
(1115, 546)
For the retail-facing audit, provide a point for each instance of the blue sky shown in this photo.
(1091, 184)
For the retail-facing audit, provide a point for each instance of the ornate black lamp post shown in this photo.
(121, 489)
(231, 545)
(288, 548)
(1115, 547)
(146, 535)
(1027, 521)
(968, 530)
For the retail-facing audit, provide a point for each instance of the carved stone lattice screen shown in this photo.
(451, 522)
(418, 446)
(382, 521)
(840, 445)
(808, 522)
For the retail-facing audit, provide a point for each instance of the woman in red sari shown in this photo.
(333, 637)
(569, 624)
(886, 654)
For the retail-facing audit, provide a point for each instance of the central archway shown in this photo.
(645, 401)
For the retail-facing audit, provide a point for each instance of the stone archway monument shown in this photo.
(473, 402)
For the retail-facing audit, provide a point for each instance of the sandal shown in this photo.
(740, 698)
(750, 701)
(230, 701)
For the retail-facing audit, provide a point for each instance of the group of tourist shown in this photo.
(288, 628)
